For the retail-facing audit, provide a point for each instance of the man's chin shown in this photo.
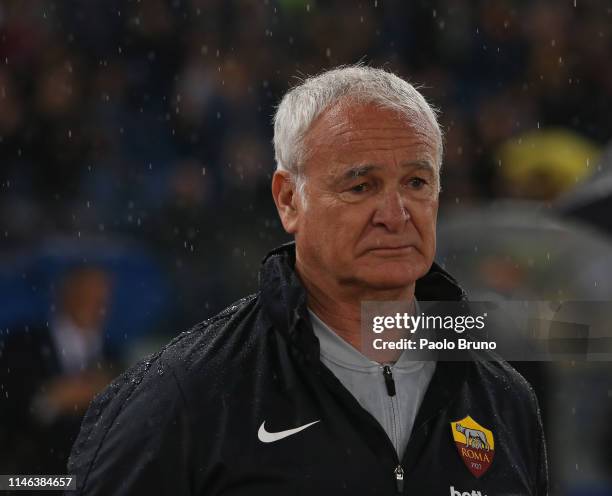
(389, 276)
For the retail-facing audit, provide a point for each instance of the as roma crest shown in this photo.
(475, 444)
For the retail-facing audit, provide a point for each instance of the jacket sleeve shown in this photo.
(542, 484)
(134, 438)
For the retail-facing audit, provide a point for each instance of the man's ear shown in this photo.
(286, 200)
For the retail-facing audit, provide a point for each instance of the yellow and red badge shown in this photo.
(475, 444)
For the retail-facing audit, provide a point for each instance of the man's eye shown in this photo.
(417, 182)
(360, 188)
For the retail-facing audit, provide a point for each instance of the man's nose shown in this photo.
(392, 212)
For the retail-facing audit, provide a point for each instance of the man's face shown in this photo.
(371, 199)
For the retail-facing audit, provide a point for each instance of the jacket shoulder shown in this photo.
(502, 385)
(217, 340)
(176, 354)
(498, 374)
(145, 410)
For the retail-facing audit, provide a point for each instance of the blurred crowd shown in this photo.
(152, 119)
(146, 125)
(141, 117)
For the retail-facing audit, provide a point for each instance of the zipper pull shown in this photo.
(389, 382)
(399, 478)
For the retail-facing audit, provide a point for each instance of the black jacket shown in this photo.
(186, 420)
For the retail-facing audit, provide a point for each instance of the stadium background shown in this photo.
(135, 147)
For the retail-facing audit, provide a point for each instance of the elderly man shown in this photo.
(273, 395)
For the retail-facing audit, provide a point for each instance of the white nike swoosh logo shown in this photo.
(269, 437)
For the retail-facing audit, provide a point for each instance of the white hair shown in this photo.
(304, 103)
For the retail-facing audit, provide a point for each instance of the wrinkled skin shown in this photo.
(367, 228)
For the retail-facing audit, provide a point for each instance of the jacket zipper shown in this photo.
(399, 479)
(398, 471)
(390, 384)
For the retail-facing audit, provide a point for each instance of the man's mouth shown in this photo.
(392, 249)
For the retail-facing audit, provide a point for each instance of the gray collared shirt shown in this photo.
(365, 381)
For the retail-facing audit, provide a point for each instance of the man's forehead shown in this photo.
(347, 115)
(346, 127)
(357, 135)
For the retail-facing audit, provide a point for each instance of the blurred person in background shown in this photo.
(50, 374)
